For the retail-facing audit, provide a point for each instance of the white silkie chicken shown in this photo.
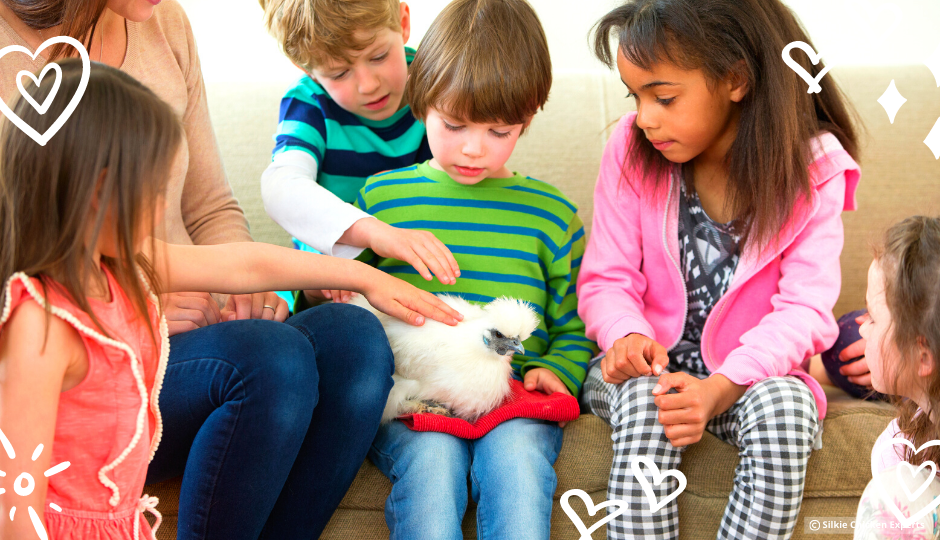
(465, 368)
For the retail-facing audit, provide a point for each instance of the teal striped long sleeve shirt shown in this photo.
(516, 237)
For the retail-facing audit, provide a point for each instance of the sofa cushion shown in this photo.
(839, 471)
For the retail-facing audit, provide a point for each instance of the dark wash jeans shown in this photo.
(269, 422)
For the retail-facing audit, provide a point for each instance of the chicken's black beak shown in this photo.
(517, 346)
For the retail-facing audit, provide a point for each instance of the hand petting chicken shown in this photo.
(465, 369)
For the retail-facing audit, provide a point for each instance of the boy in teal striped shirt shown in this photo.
(345, 119)
(482, 72)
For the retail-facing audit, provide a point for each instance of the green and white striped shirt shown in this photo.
(516, 237)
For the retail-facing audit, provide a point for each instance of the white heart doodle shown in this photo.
(814, 87)
(912, 472)
(36, 80)
(43, 138)
(885, 494)
(592, 509)
(658, 478)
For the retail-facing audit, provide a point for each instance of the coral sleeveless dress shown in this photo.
(108, 426)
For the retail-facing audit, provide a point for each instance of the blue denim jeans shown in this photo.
(269, 422)
(511, 480)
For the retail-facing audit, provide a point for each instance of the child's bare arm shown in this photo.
(35, 367)
(252, 266)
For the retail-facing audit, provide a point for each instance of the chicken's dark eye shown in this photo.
(497, 334)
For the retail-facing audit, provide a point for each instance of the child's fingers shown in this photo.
(328, 294)
(669, 381)
(454, 267)
(672, 402)
(441, 254)
(401, 312)
(858, 367)
(854, 350)
(668, 417)
(660, 358)
(861, 380)
(435, 308)
(436, 263)
(638, 361)
(618, 366)
(680, 432)
(531, 380)
(610, 374)
(446, 256)
(679, 442)
(416, 261)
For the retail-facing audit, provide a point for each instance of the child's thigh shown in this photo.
(517, 456)
(775, 408)
(399, 451)
(519, 439)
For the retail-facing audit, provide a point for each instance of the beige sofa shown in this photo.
(900, 177)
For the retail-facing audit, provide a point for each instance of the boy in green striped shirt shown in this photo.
(481, 73)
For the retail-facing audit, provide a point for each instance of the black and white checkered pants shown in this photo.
(773, 425)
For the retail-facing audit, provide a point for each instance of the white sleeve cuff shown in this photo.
(304, 208)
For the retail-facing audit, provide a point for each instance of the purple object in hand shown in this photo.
(848, 334)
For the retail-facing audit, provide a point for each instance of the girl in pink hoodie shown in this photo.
(713, 264)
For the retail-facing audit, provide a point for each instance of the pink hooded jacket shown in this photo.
(777, 312)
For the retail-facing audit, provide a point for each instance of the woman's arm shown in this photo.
(36, 356)
(246, 267)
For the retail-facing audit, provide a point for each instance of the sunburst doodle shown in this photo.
(24, 485)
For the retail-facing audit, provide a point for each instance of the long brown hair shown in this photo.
(79, 18)
(910, 262)
(769, 159)
(117, 148)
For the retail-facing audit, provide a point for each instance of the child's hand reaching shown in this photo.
(545, 381)
(404, 301)
(685, 415)
(420, 249)
(633, 356)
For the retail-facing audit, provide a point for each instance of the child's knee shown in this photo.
(786, 402)
(635, 397)
(437, 458)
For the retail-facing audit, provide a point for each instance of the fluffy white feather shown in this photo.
(466, 367)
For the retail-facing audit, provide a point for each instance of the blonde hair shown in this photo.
(482, 61)
(311, 32)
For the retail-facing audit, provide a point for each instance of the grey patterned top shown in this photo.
(709, 256)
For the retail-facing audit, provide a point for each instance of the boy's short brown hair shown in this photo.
(482, 61)
(311, 32)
